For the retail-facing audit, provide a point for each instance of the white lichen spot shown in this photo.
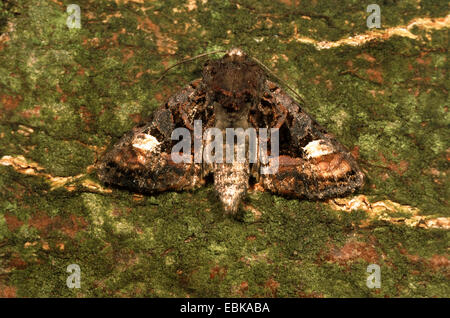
(318, 148)
(146, 142)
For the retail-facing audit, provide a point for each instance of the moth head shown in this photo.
(235, 81)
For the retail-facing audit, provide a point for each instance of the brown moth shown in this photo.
(234, 92)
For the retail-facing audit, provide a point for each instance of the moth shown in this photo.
(234, 92)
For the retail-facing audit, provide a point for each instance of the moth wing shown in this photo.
(141, 160)
(311, 162)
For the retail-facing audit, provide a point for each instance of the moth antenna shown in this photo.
(187, 60)
(279, 79)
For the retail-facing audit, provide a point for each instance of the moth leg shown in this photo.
(282, 113)
(252, 121)
(186, 121)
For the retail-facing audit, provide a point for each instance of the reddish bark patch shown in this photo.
(355, 152)
(86, 115)
(240, 289)
(17, 262)
(162, 95)
(375, 75)
(163, 42)
(369, 58)
(352, 251)
(218, 271)
(69, 226)
(34, 112)
(8, 291)
(10, 102)
(439, 262)
(243, 287)
(4, 38)
(81, 71)
(58, 2)
(63, 95)
(127, 54)
(423, 61)
(73, 225)
(136, 118)
(41, 221)
(400, 168)
(159, 97)
(272, 285)
(436, 262)
(12, 222)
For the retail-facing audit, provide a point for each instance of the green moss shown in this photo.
(60, 158)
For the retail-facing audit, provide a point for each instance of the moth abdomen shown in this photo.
(231, 183)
